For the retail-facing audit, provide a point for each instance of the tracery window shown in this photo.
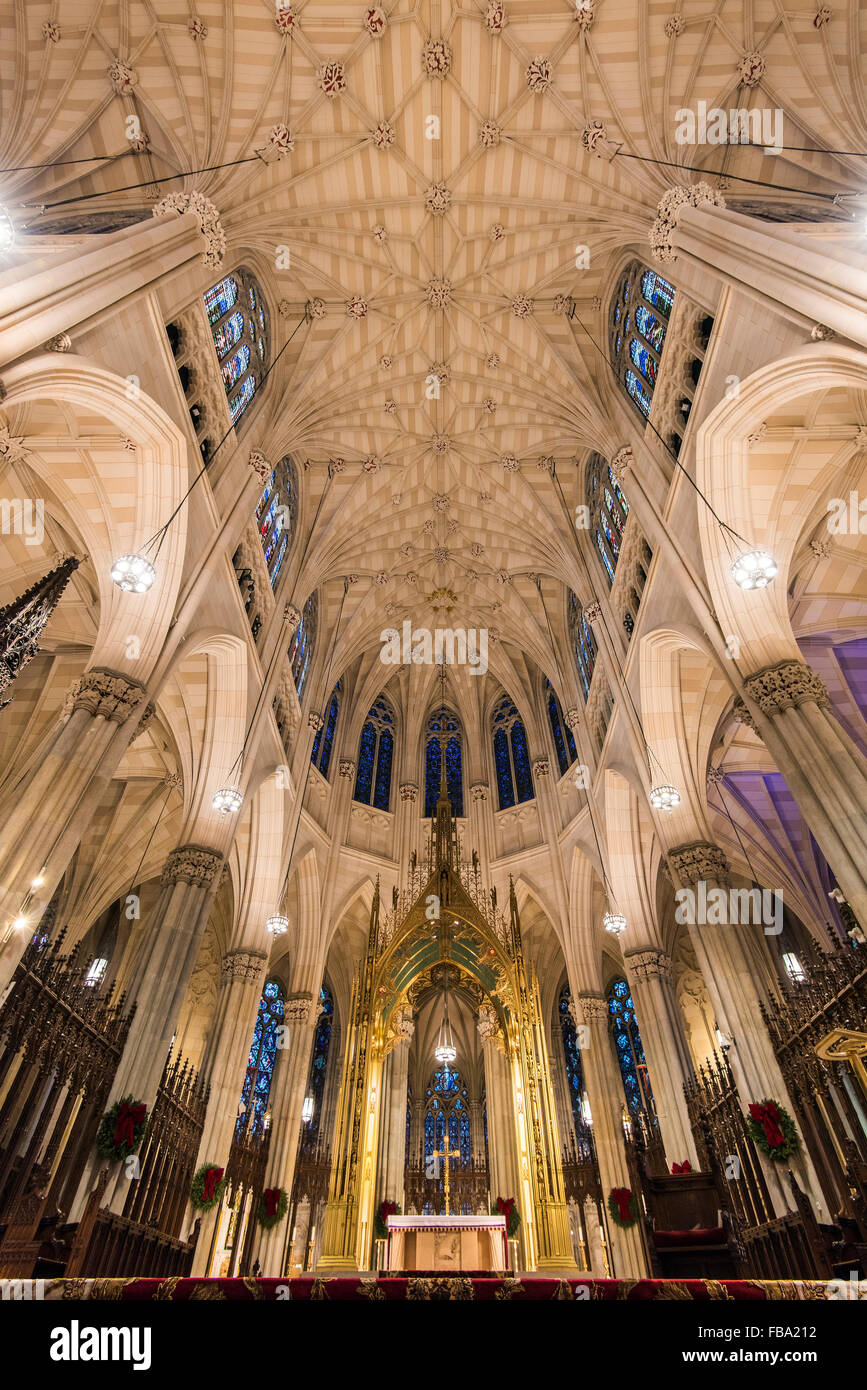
(608, 510)
(630, 1053)
(323, 743)
(572, 1055)
(511, 755)
(447, 1115)
(276, 515)
(564, 739)
(303, 643)
(583, 643)
(375, 756)
(637, 325)
(260, 1066)
(319, 1064)
(239, 326)
(444, 722)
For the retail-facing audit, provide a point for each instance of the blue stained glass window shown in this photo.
(260, 1065)
(583, 642)
(267, 493)
(614, 512)
(236, 365)
(612, 540)
(375, 756)
(228, 334)
(650, 327)
(447, 1118)
(605, 560)
(638, 392)
(617, 492)
(364, 776)
(319, 1063)
(303, 643)
(284, 546)
(221, 298)
(444, 723)
(629, 1049)
(323, 743)
(643, 360)
(574, 1069)
(564, 739)
(511, 757)
(238, 403)
(657, 292)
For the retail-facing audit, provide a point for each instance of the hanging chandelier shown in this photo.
(445, 1050)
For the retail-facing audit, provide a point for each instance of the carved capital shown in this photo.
(671, 204)
(743, 716)
(195, 864)
(541, 767)
(786, 685)
(346, 767)
(593, 612)
(594, 1008)
(150, 710)
(61, 342)
(404, 1024)
(243, 965)
(408, 791)
(479, 791)
(649, 963)
(699, 860)
(291, 615)
(622, 462)
(315, 722)
(573, 717)
(299, 1009)
(106, 694)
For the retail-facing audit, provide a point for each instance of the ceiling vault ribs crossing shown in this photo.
(446, 161)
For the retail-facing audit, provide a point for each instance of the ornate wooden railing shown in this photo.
(469, 1189)
(580, 1168)
(158, 1196)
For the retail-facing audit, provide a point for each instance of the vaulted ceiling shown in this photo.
(444, 166)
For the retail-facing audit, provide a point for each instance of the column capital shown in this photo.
(594, 1007)
(346, 767)
(299, 1009)
(699, 860)
(649, 963)
(195, 864)
(541, 767)
(105, 693)
(479, 791)
(408, 791)
(671, 205)
(786, 685)
(243, 965)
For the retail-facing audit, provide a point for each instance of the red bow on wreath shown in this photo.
(272, 1197)
(768, 1116)
(622, 1196)
(212, 1177)
(505, 1206)
(128, 1116)
(685, 1167)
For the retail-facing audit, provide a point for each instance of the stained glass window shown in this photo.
(609, 569)
(276, 514)
(447, 1117)
(572, 1055)
(375, 756)
(636, 359)
(319, 1064)
(239, 325)
(627, 1045)
(303, 643)
(260, 1065)
(583, 641)
(612, 539)
(236, 365)
(564, 739)
(324, 740)
(613, 512)
(444, 722)
(511, 757)
(658, 292)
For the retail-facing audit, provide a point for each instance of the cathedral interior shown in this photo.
(433, 643)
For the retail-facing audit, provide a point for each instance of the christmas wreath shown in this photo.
(623, 1207)
(121, 1129)
(506, 1206)
(773, 1130)
(207, 1187)
(272, 1206)
(380, 1221)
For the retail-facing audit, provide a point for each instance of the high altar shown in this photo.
(444, 914)
(447, 1242)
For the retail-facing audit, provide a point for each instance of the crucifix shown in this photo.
(445, 1155)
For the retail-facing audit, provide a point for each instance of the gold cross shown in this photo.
(446, 1154)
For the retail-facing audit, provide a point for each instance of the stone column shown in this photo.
(287, 1099)
(826, 772)
(806, 280)
(481, 824)
(605, 1093)
(729, 975)
(392, 1128)
(189, 881)
(228, 1047)
(477, 1132)
(44, 815)
(407, 827)
(658, 1013)
(502, 1147)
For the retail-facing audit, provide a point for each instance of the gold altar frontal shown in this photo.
(446, 1242)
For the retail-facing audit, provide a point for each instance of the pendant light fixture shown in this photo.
(445, 1051)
